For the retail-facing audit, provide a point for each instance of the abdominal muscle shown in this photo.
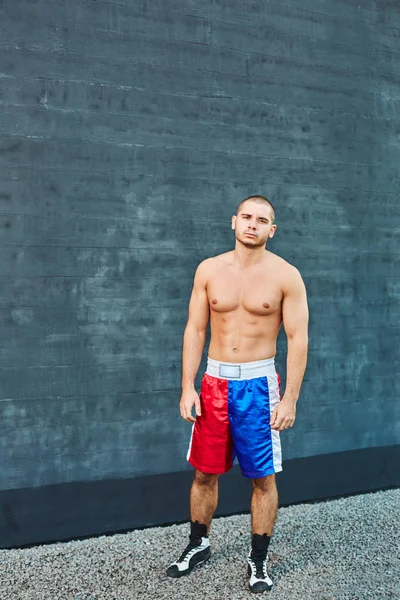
(239, 336)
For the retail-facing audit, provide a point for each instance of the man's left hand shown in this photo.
(284, 415)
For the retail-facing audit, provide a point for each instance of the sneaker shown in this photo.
(257, 571)
(195, 554)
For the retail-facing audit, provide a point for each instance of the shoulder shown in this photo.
(289, 274)
(208, 266)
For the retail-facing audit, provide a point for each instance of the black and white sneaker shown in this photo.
(195, 554)
(257, 571)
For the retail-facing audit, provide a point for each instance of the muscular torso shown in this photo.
(245, 308)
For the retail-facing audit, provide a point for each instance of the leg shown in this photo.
(203, 497)
(264, 505)
(203, 502)
(264, 508)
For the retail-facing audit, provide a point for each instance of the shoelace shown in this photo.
(190, 549)
(259, 561)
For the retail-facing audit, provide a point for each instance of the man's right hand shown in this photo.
(189, 399)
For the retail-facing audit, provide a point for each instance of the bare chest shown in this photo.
(258, 295)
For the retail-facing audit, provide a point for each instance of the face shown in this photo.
(253, 224)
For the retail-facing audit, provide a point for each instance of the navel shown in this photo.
(235, 349)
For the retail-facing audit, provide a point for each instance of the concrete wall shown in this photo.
(129, 132)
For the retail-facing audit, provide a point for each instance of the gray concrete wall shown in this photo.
(129, 132)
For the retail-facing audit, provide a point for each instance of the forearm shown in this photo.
(193, 346)
(295, 366)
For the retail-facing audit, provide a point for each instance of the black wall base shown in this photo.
(82, 509)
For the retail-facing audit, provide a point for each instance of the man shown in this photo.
(247, 294)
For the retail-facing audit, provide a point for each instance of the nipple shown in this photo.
(214, 301)
(266, 305)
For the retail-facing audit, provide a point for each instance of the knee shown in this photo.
(205, 479)
(265, 484)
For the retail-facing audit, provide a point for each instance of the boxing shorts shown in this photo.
(237, 401)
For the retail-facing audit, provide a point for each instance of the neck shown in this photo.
(248, 257)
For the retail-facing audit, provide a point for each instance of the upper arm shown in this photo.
(294, 305)
(199, 309)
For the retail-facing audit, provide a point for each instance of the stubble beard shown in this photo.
(258, 242)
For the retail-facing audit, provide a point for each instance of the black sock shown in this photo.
(197, 530)
(260, 543)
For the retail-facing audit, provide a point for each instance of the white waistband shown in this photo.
(247, 370)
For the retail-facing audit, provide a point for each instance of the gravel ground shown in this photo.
(346, 549)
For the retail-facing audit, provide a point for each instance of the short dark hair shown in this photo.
(260, 200)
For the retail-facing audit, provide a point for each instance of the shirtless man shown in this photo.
(247, 294)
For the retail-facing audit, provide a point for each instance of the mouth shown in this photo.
(250, 234)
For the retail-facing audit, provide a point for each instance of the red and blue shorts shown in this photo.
(237, 401)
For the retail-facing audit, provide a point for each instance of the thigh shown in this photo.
(257, 446)
(266, 483)
(205, 478)
(211, 447)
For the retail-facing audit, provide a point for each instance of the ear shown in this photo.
(272, 231)
(233, 221)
